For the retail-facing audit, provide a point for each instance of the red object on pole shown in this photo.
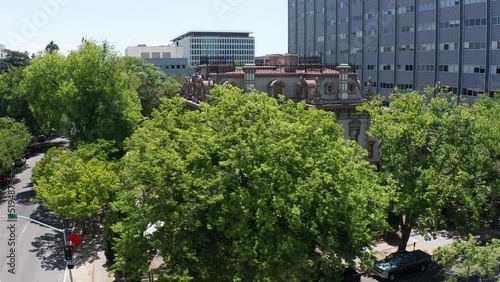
(75, 239)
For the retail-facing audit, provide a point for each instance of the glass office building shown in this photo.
(407, 44)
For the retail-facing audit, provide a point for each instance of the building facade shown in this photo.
(170, 59)
(407, 44)
(235, 46)
(336, 90)
(155, 52)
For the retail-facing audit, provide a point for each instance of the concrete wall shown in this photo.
(177, 66)
(153, 51)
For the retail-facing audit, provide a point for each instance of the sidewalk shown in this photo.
(385, 248)
(91, 272)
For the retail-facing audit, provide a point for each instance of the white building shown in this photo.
(234, 46)
(2, 52)
(155, 52)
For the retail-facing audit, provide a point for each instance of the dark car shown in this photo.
(351, 275)
(402, 262)
(20, 162)
(4, 179)
(41, 138)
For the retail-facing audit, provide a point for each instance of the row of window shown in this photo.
(236, 58)
(222, 46)
(222, 52)
(222, 40)
(421, 7)
(409, 28)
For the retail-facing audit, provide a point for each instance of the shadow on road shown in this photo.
(24, 198)
(50, 247)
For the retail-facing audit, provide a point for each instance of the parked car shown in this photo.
(41, 138)
(4, 179)
(402, 262)
(351, 275)
(20, 162)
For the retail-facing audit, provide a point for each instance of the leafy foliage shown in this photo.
(14, 137)
(87, 95)
(51, 47)
(150, 80)
(487, 119)
(248, 188)
(468, 258)
(75, 184)
(13, 101)
(433, 159)
(14, 59)
(172, 86)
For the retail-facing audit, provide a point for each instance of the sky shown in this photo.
(29, 25)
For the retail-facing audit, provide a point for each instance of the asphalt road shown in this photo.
(38, 250)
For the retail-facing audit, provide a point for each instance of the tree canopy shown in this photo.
(51, 47)
(247, 188)
(14, 137)
(75, 184)
(433, 159)
(150, 80)
(87, 95)
(14, 59)
(13, 101)
(469, 258)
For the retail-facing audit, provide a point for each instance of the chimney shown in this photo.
(290, 59)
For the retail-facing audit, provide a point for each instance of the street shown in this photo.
(29, 251)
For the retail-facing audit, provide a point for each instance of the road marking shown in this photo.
(65, 273)
(23, 232)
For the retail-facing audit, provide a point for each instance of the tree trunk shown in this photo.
(496, 219)
(405, 233)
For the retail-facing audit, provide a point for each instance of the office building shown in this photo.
(170, 59)
(407, 44)
(235, 46)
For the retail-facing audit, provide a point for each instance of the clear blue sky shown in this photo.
(29, 25)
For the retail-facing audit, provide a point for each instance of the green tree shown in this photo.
(150, 82)
(246, 189)
(487, 117)
(13, 101)
(76, 184)
(51, 47)
(432, 160)
(14, 137)
(87, 95)
(463, 259)
(14, 59)
(172, 86)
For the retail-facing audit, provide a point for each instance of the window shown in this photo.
(386, 67)
(405, 67)
(371, 145)
(427, 6)
(406, 48)
(443, 68)
(475, 22)
(449, 3)
(475, 45)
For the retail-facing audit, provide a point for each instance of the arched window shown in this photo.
(277, 87)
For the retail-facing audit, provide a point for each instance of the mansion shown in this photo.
(334, 89)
